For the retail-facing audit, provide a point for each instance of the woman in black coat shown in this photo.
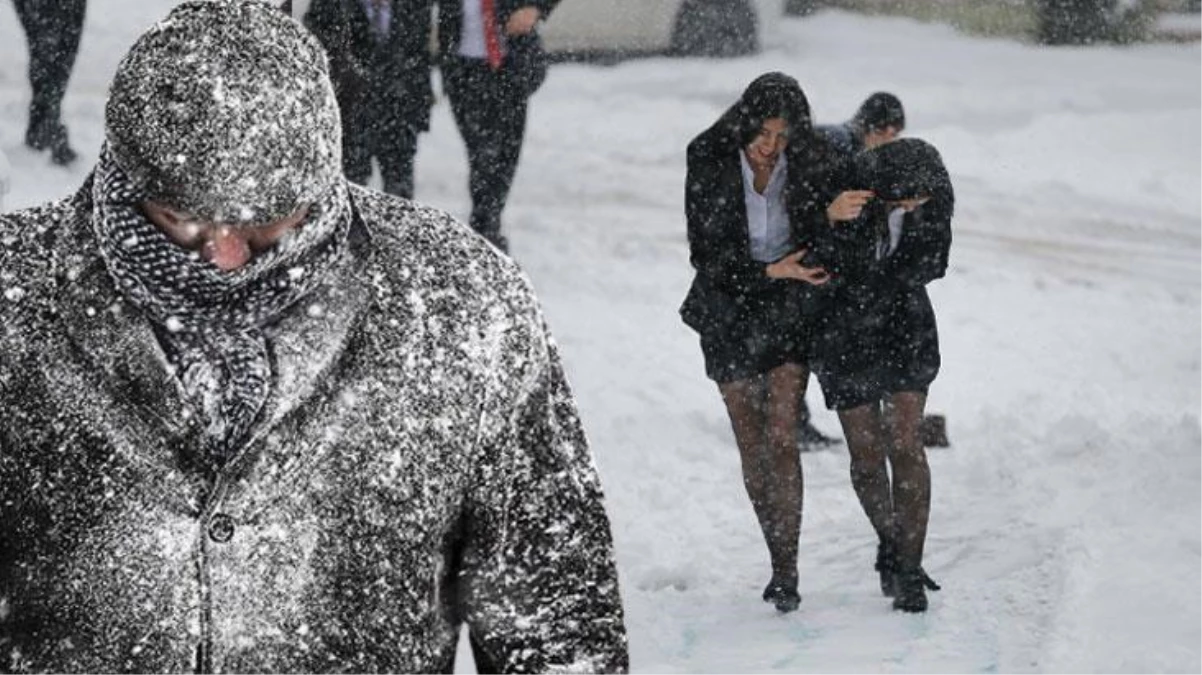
(753, 197)
(878, 350)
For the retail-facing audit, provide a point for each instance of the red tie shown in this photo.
(492, 38)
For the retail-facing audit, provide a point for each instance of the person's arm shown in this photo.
(538, 584)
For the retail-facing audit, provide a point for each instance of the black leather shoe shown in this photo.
(42, 135)
(810, 439)
(782, 595)
(37, 136)
(912, 586)
(498, 240)
(62, 154)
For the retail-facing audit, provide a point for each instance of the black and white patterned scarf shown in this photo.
(211, 322)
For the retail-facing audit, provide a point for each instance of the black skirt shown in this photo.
(771, 330)
(868, 347)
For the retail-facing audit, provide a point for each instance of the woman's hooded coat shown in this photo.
(879, 316)
(729, 283)
(328, 460)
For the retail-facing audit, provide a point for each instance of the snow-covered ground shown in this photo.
(1066, 516)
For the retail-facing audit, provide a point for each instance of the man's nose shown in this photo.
(226, 249)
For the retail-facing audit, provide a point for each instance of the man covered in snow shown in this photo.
(260, 419)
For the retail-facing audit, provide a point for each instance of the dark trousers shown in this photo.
(52, 29)
(376, 131)
(491, 115)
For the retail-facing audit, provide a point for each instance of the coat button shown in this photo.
(221, 528)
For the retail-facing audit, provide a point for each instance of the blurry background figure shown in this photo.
(879, 120)
(52, 30)
(492, 61)
(380, 63)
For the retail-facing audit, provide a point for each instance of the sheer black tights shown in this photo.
(764, 413)
(898, 507)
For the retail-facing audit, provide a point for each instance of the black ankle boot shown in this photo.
(42, 135)
(911, 586)
(61, 153)
(37, 134)
(810, 439)
(886, 566)
(60, 150)
(783, 595)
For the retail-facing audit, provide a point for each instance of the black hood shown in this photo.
(903, 169)
(769, 95)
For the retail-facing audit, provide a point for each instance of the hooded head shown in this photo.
(907, 168)
(771, 95)
(224, 110)
(879, 111)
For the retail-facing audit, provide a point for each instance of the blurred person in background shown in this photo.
(876, 352)
(879, 119)
(380, 62)
(492, 62)
(258, 418)
(754, 197)
(52, 29)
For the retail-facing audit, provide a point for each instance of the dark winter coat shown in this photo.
(729, 284)
(390, 76)
(878, 332)
(842, 138)
(525, 61)
(422, 466)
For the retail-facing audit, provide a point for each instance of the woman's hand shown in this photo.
(522, 21)
(790, 267)
(848, 205)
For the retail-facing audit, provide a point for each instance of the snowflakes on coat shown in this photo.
(394, 445)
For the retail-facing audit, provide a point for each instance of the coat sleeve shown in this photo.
(538, 584)
(922, 253)
(712, 250)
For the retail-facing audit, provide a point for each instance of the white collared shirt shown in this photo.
(471, 32)
(887, 245)
(379, 16)
(767, 217)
